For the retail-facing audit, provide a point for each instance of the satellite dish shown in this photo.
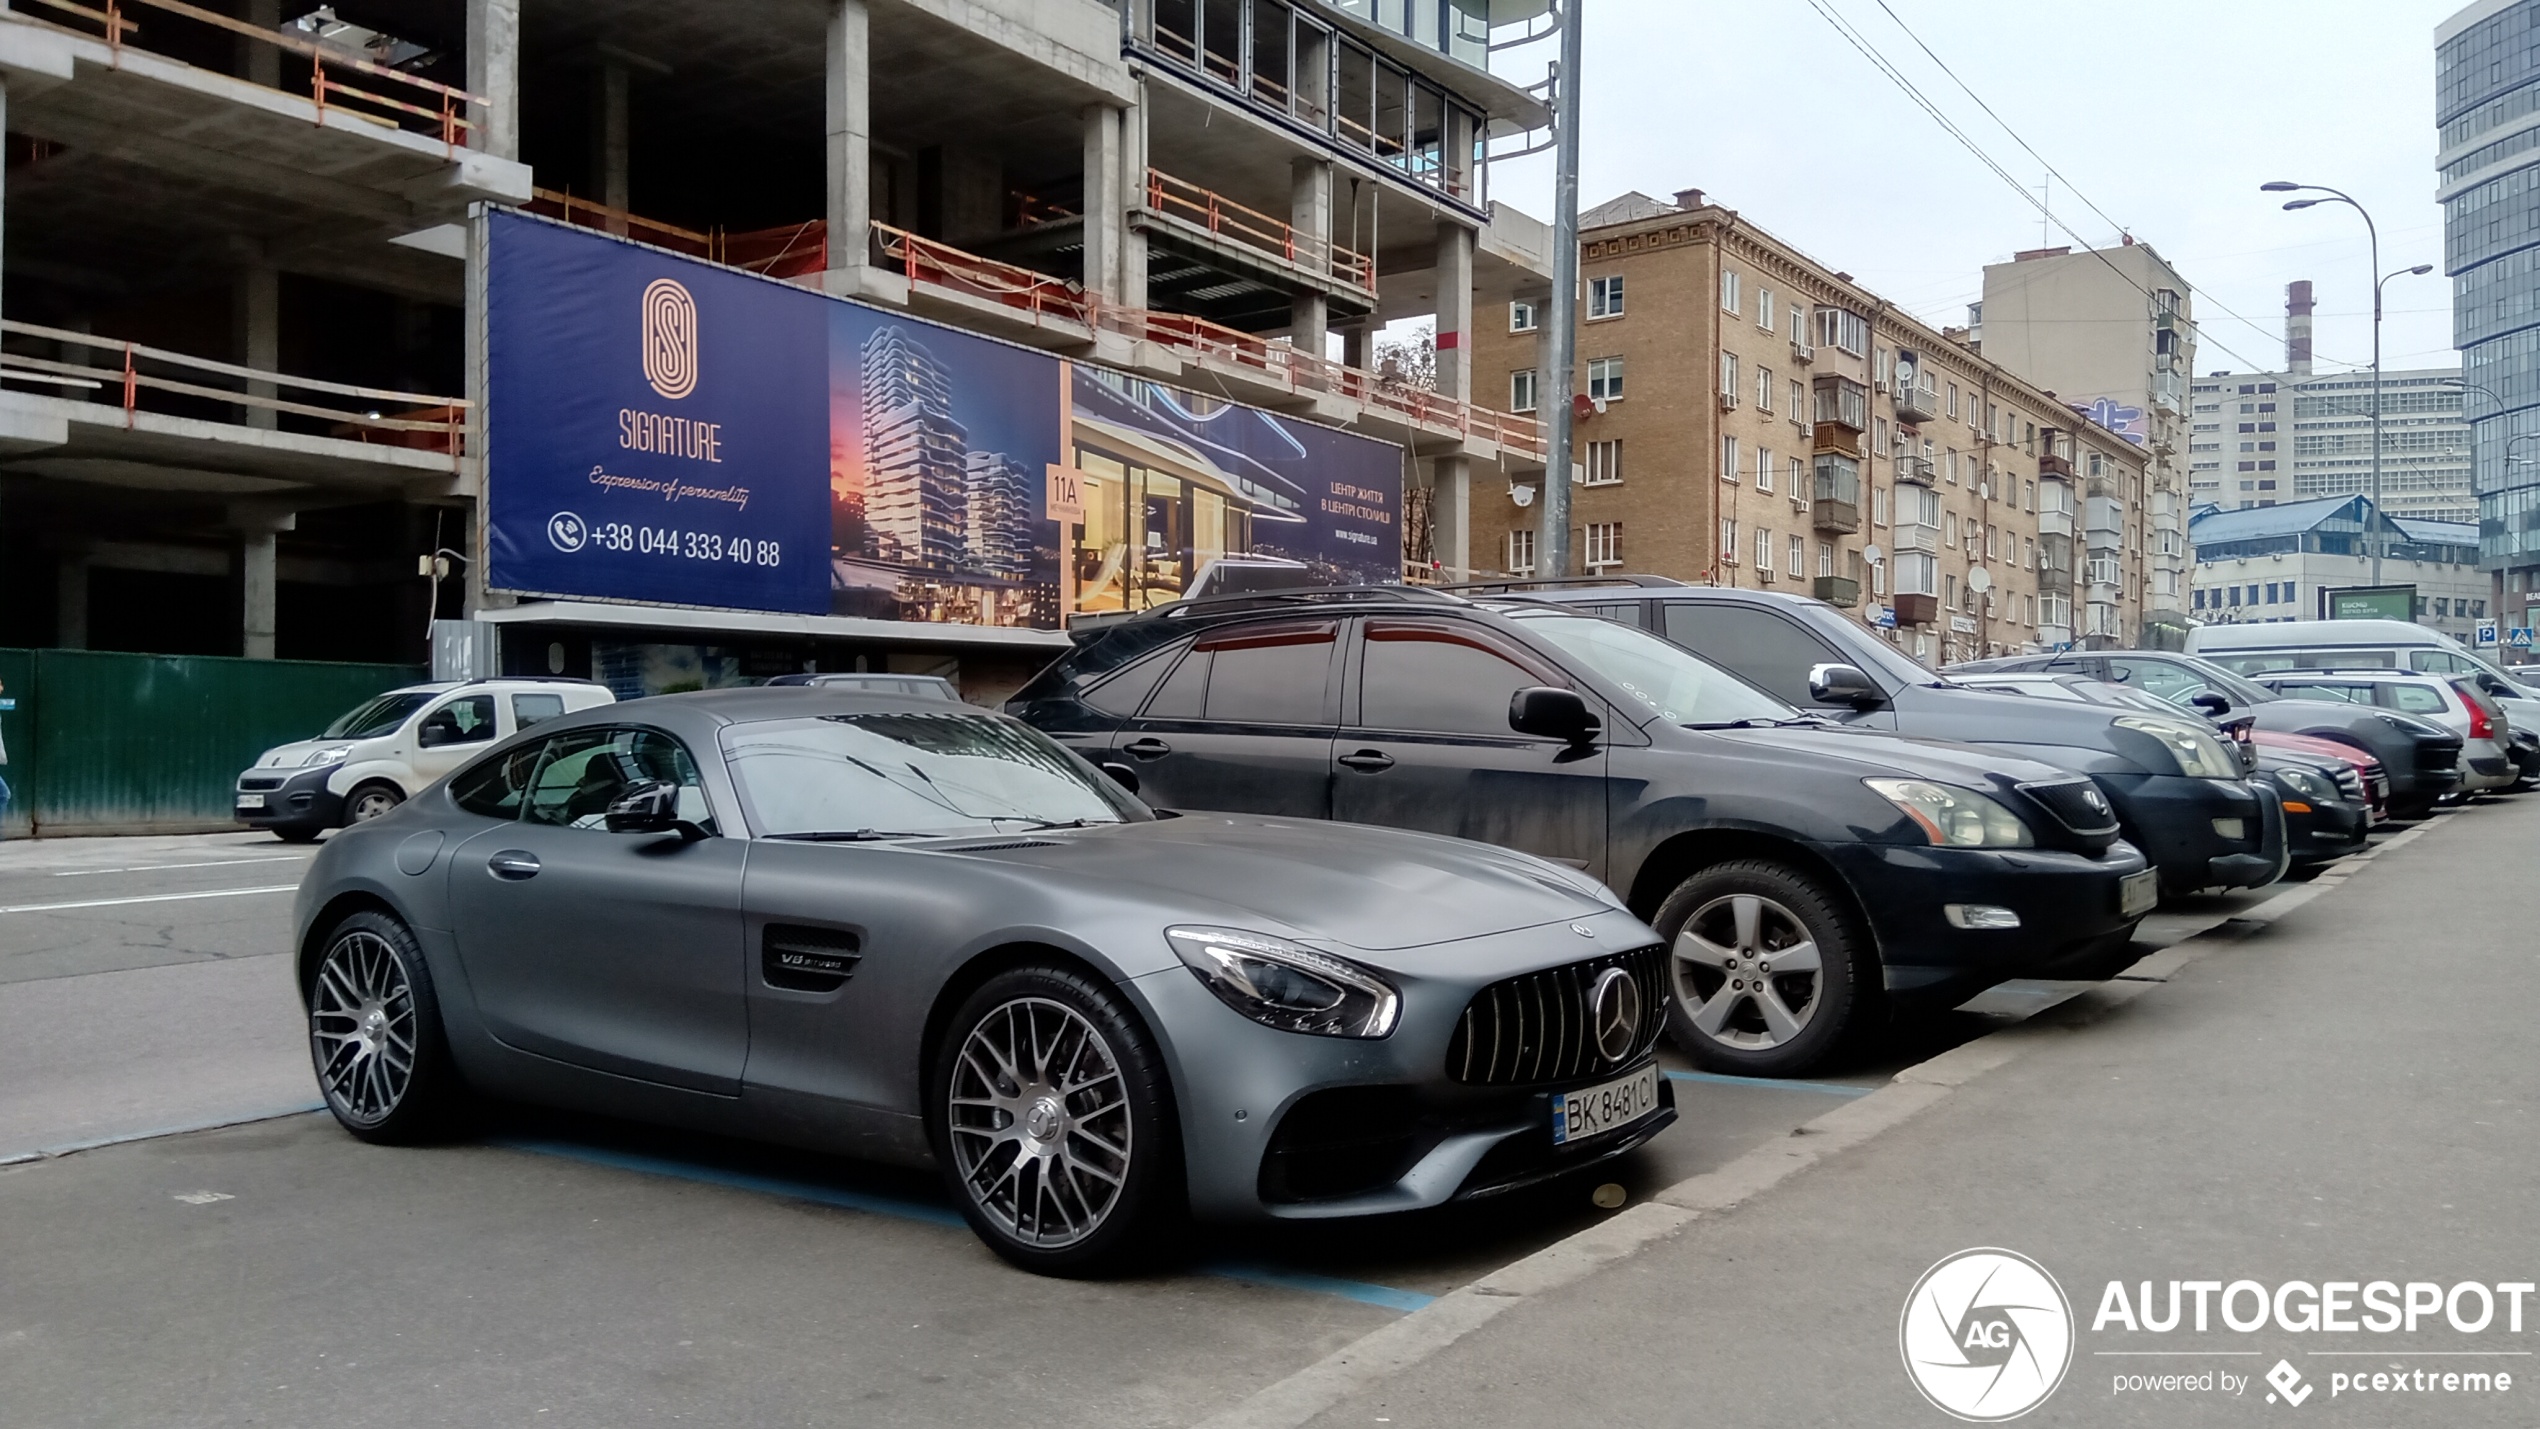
(1979, 580)
(1872, 555)
(1521, 494)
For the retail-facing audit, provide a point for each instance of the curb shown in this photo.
(1291, 1402)
(73, 1148)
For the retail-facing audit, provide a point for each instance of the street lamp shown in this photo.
(2373, 233)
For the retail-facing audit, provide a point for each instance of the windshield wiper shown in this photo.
(850, 836)
(1752, 722)
(1038, 825)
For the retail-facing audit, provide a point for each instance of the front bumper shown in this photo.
(1378, 1125)
(291, 799)
(2066, 902)
(2326, 831)
(2172, 817)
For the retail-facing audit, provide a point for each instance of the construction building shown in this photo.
(1843, 449)
(244, 275)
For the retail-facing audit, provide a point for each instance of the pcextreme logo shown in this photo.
(670, 339)
(1986, 1335)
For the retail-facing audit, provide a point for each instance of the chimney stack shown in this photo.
(2297, 327)
(1688, 199)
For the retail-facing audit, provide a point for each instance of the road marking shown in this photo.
(195, 863)
(149, 898)
(1775, 1084)
(1383, 1296)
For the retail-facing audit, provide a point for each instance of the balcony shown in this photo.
(1917, 538)
(1917, 404)
(1917, 470)
(1837, 590)
(1194, 216)
(2054, 465)
(1916, 609)
(2054, 523)
(1842, 402)
(1840, 518)
(1835, 494)
(1837, 437)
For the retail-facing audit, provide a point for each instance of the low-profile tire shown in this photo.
(1052, 1116)
(375, 1034)
(372, 800)
(297, 834)
(1731, 1006)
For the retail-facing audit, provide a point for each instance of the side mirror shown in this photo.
(1121, 774)
(1550, 713)
(429, 735)
(2211, 703)
(1834, 684)
(649, 806)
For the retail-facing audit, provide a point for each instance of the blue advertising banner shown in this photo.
(668, 431)
(657, 427)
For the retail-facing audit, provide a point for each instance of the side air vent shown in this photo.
(800, 959)
(995, 847)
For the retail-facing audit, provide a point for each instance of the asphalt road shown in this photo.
(564, 1270)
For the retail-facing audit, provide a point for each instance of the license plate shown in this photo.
(251, 801)
(2137, 893)
(1608, 1106)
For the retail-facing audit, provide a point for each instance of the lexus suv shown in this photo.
(1802, 874)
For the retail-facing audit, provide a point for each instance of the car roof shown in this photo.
(2302, 634)
(2367, 674)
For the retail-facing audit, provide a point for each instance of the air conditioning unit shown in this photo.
(1801, 350)
(1728, 401)
(1798, 503)
(1766, 574)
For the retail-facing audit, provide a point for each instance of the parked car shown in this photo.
(1801, 872)
(385, 750)
(2486, 759)
(2368, 771)
(2081, 689)
(2420, 759)
(915, 687)
(2358, 645)
(2183, 801)
(883, 927)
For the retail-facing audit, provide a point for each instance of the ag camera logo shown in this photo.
(1986, 1335)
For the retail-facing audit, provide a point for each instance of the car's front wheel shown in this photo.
(1766, 975)
(375, 1033)
(370, 801)
(1052, 1116)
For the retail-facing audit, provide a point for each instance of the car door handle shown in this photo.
(1148, 748)
(1368, 761)
(512, 863)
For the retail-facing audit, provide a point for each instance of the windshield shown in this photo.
(1672, 683)
(2238, 690)
(379, 716)
(912, 774)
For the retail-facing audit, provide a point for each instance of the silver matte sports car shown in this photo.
(916, 932)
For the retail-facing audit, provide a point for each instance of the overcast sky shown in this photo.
(2165, 114)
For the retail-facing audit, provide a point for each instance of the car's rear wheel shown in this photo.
(370, 801)
(296, 833)
(375, 1033)
(1766, 975)
(1052, 1116)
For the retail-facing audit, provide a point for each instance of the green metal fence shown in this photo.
(108, 743)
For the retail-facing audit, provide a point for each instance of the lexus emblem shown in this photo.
(1614, 1013)
(1583, 930)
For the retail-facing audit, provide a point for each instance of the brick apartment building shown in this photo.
(1754, 418)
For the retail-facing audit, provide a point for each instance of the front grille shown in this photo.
(2350, 784)
(1539, 1027)
(2436, 755)
(253, 782)
(2070, 801)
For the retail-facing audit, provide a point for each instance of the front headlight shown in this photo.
(1280, 984)
(332, 754)
(2307, 784)
(2199, 754)
(1952, 817)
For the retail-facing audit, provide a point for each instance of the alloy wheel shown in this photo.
(371, 803)
(1039, 1122)
(1747, 971)
(362, 1028)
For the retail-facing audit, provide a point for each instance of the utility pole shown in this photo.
(1553, 557)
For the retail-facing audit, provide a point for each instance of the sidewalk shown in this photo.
(2348, 1094)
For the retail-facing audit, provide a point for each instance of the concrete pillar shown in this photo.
(259, 62)
(1354, 345)
(493, 71)
(1106, 203)
(1451, 516)
(70, 601)
(1310, 215)
(258, 528)
(849, 154)
(1455, 310)
(257, 295)
(608, 138)
(1133, 186)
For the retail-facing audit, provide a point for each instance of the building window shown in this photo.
(1825, 558)
(1605, 462)
(1728, 540)
(1521, 390)
(1605, 378)
(1878, 506)
(1798, 557)
(1605, 298)
(1764, 309)
(1953, 401)
(1728, 373)
(1764, 551)
(1764, 470)
(1521, 552)
(1798, 474)
(1764, 388)
(1728, 290)
(1839, 328)
(1604, 543)
(1522, 317)
(1728, 458)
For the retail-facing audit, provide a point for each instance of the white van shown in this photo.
(2261, 649)
(383, 752)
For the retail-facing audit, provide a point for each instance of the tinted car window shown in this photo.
(2318, 690)
(467, 720)
(1270, 675)
(530, 709)
(2158, 678)
(1667, 680)
(492, 789)
(2416, 699)
(581, 773)
(1122, 693)
(912, 774)
(1757, 644)
(2440, 662)
(1436, 679)
(378, 717)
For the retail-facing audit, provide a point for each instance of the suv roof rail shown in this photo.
(1271, 600)
(525, 680)
(1530, 583)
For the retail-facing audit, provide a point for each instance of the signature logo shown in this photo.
(566, 532)
(1986, 1335)
(670, 339)
(1614, 1013)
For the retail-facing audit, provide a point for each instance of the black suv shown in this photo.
(1802, 873)
(2179, 794)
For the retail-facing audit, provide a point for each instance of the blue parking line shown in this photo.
(1382, 1296)
(1772, 1083)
